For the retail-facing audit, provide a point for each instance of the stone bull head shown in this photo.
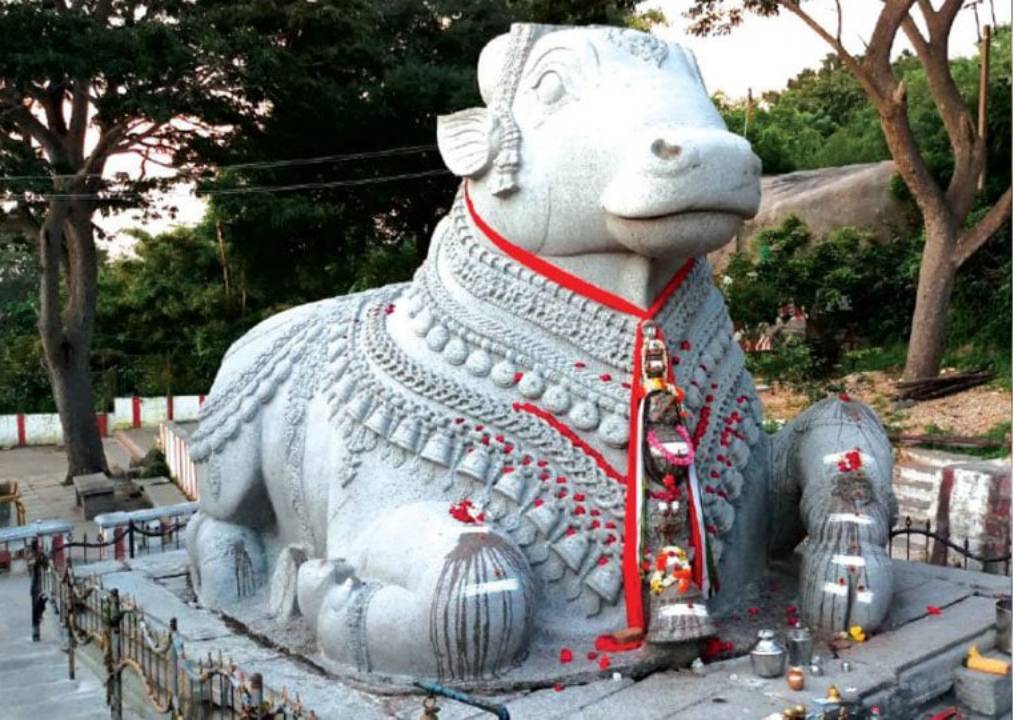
(600, 141)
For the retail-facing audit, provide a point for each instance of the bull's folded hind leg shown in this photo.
(837, 459)
(429, 597)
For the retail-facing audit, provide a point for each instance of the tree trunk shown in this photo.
(75, 401)
(66, 330)
(929, 321)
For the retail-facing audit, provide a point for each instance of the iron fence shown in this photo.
(174, 684)
(938, 554)
(121, 536)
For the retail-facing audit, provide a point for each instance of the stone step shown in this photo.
(28, 696)
(64, 707)
(32, 676)
(45, 655)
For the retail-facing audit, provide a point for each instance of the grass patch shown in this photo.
(871, 359)
(999, 433)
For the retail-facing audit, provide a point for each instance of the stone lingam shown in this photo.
(434, 476)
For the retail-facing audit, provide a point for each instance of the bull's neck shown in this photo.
(480, 278)
(612, 278)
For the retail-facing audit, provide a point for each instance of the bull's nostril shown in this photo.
(661, 149)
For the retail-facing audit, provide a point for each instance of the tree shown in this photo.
(944, 203)
(80, 82)
(344, 92)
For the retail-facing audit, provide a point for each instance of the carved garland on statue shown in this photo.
(502, 455)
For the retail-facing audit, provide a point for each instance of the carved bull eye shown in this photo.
(550, 88)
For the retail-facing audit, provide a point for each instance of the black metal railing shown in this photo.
(126, 541)
(938, 553)
(173, 684)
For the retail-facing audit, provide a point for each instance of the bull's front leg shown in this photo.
(837, 459)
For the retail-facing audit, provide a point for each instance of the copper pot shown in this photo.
(794, 677)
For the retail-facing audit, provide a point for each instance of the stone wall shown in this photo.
(958, 495)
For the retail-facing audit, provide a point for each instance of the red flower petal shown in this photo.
(603, 560)
(538, 502)
(518, 377)
(579, 365)
(933, 610)
(753, 610)
(579, 497)
(566, 655)
(592, 654)
(605, 377)
(561, 480)
(558, 687)
(604, 662)
(791, 610)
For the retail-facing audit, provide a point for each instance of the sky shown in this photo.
(761, 54)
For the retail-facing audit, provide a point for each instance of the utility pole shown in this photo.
(222, 257)
(749, 111)
(987, 34)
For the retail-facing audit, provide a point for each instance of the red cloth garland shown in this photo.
(631, 563)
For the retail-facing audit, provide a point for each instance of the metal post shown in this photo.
(38, 596)
(113, 656)
(130, 531)
(69, 621)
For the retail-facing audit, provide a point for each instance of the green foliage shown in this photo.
(361, 77)
(164, 319)
(791, 361)
(852, 289)
(873, 358)
(821, 119)
(153, 465)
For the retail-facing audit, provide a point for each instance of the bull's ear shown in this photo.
(467, 141)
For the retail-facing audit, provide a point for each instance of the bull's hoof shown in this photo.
(227, 562)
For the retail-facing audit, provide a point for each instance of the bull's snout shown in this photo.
(675, 170)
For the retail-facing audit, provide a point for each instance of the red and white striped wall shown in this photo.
(21, 429)
(175, 443)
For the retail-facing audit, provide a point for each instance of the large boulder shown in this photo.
(825, 199)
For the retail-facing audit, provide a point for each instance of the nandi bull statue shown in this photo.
(550, 430)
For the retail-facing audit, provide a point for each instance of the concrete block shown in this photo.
(923, 654)
(983, 693)
(163, 494)
(94, 494)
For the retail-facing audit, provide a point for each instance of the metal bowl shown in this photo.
(1003, 626)
(768, 656)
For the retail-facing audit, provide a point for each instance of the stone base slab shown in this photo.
(901, 670)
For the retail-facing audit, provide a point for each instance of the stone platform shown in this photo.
(902, 670)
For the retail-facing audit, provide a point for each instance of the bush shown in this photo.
(791, 360)
(854, 291)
